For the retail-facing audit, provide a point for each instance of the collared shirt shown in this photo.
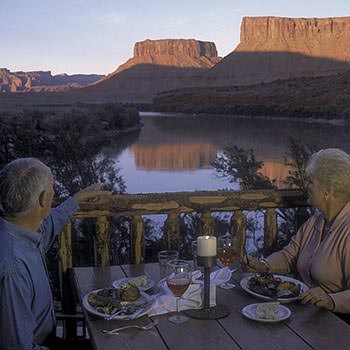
(26, 303)
(321, 261)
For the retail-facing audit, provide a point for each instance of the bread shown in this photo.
(129, 292)
(267, 311)
(139, 282)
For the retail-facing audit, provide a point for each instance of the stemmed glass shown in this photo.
(227, 253)
(178, 280)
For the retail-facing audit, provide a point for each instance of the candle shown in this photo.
(206, 246)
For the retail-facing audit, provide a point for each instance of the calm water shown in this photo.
(174, 152)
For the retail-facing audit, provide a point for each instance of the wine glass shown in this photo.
(178, 280)
(227, 254)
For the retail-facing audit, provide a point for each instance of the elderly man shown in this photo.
(28, 227)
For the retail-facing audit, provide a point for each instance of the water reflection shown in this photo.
(177, 156)
(174, 152)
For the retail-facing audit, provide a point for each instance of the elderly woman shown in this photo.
(320, 251)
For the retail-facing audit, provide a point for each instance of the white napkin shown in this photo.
(217, 277)
(193, 297)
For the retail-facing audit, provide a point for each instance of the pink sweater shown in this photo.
(325, 263)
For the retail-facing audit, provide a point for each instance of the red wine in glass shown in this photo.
(179, 285)
(227, 254)
(178, 280)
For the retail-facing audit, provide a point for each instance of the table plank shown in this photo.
(88, 279)
(250, 334)
(320, 328)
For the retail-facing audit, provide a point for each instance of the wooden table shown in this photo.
(307, 328)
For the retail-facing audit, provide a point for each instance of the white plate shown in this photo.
(249, 311)
(140, 312)
(117, 283)
(303, 288)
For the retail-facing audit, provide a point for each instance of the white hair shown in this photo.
(21, 183)
(331, 169)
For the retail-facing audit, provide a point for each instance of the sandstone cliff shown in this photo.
(42, 81)
(175, 53)
(273, 48)
(157, 65)
(323, 38)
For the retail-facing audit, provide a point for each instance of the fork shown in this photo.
(146, 327)
(123, 309)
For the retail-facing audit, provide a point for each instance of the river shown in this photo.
(174, 152)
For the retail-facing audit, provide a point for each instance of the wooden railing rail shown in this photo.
(172, 204)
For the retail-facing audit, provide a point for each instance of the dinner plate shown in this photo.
(138, 313)
(303, 288)
(249, 311)
(117, 283)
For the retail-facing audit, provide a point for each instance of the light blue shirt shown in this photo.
(26, 303)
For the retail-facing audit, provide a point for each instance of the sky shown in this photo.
(96, 36)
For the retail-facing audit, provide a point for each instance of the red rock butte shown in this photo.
(157, 65)
(273, 48)
(270, 48)
(324, 38)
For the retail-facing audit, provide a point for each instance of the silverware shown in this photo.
(140, 308)
(124, 309)
(146, 327)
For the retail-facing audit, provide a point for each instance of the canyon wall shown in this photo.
(270, 49)
(157, 65)
(273, 48)
(324, 38)
(42, 81)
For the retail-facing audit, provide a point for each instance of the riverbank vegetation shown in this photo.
(57, 132)
(299, 98)
(240, 165)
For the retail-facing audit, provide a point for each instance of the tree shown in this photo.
(238, 164)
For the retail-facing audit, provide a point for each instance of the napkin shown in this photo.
(165, 301)
(217, 277)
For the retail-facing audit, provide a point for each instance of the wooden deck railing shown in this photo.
(173, 204)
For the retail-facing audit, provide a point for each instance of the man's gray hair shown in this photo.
(21, 183)
(331, 169)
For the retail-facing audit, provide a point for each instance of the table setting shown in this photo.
(192, 298)
(253, 322)
(183, 293)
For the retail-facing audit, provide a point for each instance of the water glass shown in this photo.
(164, 257)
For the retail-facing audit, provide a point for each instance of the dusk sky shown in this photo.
(96, 36)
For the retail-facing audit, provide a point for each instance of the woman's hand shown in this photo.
(318, 297)
(251, 264)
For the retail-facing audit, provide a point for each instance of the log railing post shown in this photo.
(239, 229)
(65, 259)
(137, 241)
(101, 243)
(270, 231)
(207, 223)
(172, 231)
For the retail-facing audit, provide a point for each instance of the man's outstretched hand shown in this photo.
(91, 193)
